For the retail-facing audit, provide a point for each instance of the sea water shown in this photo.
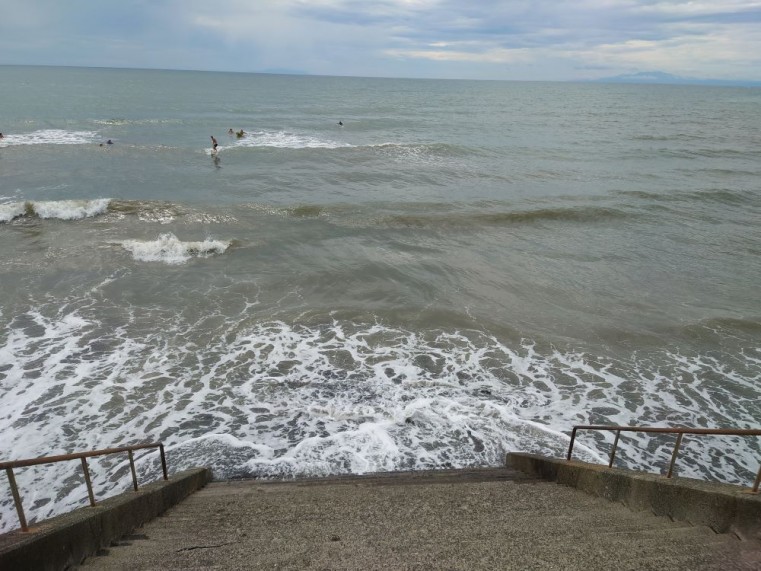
(460, 270)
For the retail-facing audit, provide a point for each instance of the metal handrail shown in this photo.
(8, 466)
(679, 431)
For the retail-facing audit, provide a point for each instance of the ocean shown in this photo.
(458, 270)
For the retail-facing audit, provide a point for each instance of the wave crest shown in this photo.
(11, 211)
(49, 137)
(167, 248)
(285, 140)
(70, 209)
(466, 219)
(57, 209)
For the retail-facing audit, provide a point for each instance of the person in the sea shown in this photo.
(230, 131)
(109, 142)
(240, 134)
(2, 136)
(341, 123)
(214, 144)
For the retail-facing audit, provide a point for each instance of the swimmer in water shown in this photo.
(214, 144)
(341, 123)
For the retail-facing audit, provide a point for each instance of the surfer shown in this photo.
(1, 136)
(109, 142)
(240, 134)
(214, 144)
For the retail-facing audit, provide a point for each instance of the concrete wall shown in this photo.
(66, 540)
(724, 508)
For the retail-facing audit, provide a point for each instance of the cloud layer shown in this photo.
(488, 39)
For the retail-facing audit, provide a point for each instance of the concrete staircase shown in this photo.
(474, 519)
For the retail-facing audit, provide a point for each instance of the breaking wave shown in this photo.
(168, 249)
(56, 209)
(49, 137)
(146, 211)
(280, 140)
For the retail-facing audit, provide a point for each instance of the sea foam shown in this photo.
(272, 399)
(168, 249)
(70, 209)
(287, 140)
(56, 209)
(49, 137)
(11, 210)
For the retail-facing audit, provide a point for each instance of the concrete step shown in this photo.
(480, 521)
(544, 500)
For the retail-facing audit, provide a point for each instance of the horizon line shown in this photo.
(630, 79)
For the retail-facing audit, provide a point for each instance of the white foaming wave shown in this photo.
(271, 401)
(168, 249)
(12, 210)
(49, 137)
(58, 209)
(67, 359)
(278, 400)
(441, 402)
(287, 140)
(391, 420)
(70, 209)
(118, 122)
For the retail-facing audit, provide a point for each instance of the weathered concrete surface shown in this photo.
(469, 520)
(64, 541)
(723, 508)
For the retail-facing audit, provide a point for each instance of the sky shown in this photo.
(553, 40)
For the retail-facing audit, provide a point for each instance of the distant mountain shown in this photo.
(660, 77)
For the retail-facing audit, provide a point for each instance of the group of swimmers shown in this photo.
(240, 134)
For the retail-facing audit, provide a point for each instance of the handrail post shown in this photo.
(163, 461)
(88, 482)
(613, 452)
(570, 446)
(673, 456)
(132, 467)
(679, 431)
(16, 499)
(82, 456)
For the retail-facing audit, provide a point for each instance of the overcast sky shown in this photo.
(470, 39)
